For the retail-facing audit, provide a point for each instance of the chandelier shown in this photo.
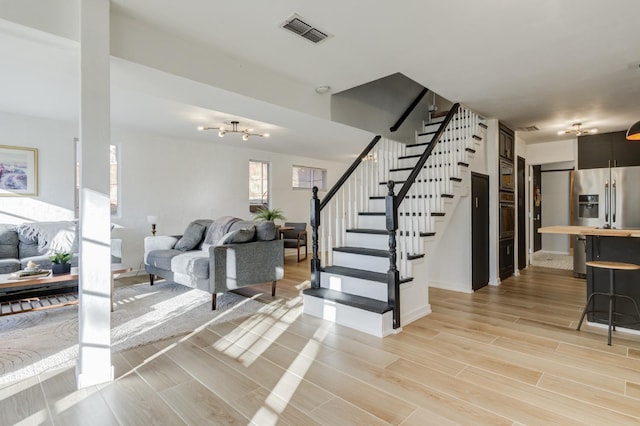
(577, 130)
(234, 129)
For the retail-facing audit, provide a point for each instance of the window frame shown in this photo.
(113, 212)
(313, 170)
(265, 202)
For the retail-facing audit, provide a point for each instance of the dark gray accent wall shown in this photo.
(377, 105)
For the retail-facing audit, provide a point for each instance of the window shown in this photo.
(113, 181)
(258, 185)
(308, 177)
(113, 178)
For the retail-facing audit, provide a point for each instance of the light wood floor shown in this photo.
(503, 355)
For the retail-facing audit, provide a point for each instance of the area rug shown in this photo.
(33, 342)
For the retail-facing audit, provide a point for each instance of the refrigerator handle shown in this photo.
(606, 202)
(613, 201)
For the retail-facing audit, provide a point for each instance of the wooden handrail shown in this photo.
(409, 110)
(423, 159)
(345, 176)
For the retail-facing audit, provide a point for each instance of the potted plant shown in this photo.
(61, 264)
(269, 214)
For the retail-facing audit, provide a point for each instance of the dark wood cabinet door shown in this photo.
(506, 258)
(594, 151)
(506, 139)
(624, 153)
(479, 230)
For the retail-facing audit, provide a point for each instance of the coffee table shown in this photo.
(37, 302)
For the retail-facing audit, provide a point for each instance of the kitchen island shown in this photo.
(619, 245)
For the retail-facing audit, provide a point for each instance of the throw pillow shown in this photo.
(191, 237)
(243, 235)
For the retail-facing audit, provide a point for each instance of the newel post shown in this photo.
(315, 223)
(393, 275)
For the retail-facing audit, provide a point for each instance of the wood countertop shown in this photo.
(589, 230)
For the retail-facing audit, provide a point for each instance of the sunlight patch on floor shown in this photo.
(283, 391)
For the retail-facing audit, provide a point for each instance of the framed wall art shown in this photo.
(18, 171)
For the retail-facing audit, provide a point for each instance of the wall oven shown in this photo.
(507, 181)
(507, 228)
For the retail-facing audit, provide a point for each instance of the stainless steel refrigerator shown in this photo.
(606, 198)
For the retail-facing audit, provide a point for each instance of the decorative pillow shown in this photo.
(191, 237)
(51, 236)
(265, 231)
(243, 235)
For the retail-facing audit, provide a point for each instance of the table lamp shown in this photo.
(152, 220)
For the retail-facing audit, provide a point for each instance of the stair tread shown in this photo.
(360, 273)
(365, 303)
(382, 197)
(368, 231)
(363, 250)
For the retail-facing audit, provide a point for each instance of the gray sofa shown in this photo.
(18, 247)
(217, 256)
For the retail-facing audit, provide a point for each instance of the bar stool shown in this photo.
(612, 267)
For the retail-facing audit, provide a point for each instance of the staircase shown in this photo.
(369, 269)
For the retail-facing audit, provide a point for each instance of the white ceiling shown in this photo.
(546, 63)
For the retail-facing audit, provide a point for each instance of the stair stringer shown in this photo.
(414, 296)
(434, 261)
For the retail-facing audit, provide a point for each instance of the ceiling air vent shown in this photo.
(529, 129)
(296, 25)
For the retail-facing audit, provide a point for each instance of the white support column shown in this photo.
(94, 309)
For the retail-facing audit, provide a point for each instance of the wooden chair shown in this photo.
(296, 238)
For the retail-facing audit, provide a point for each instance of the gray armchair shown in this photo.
(296, 238)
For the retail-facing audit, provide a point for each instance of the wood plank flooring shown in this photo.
(504, 355)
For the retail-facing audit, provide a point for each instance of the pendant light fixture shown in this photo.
(577, 130)
(234, 129)
(633, 134)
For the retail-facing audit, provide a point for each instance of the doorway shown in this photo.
(522, 214)
(479, 230)
(537, 207)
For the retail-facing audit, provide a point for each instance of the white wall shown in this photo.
(181, 180)
(521, 151)
(552, 152)
(56, 157)
(178, 180)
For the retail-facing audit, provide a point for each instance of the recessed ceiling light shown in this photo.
(321, 90)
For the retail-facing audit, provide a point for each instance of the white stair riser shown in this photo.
(399, 175)
(359, 319)
(360, 261)
(377, 205)
(351, 285)
(408, 162)
(374, 241)
(425, 138)
(372, 222)
(430, 127)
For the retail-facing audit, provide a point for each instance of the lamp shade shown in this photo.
(633, 134)
(152, 219)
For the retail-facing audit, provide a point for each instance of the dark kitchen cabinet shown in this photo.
(624, 153)
(506, 144)
(607, 149)
(506, 259)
